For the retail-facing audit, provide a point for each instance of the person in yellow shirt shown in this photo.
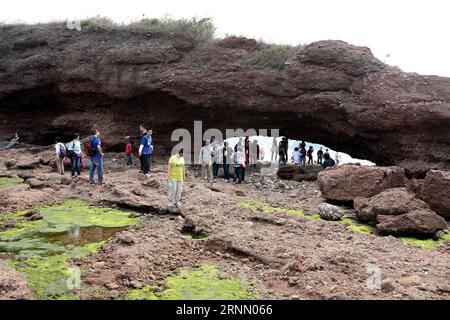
(175, 175)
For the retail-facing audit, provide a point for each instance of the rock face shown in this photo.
(424, 222)
(60, 81)
(297, 173)
(345, 183)
(330, 212)
(12, 285)
(436, 192)
(394, 201)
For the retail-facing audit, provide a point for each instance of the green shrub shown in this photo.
(274, 56)
(200, 29)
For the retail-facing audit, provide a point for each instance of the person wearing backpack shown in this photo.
(74, 154)
(145, 150)
(95, 153)
(60, 150)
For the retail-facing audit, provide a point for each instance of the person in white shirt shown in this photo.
(60, 150)
(205, 158)
(74, 154)
(296, 157)
(239, 165)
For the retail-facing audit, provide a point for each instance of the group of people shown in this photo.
(300, 154)
(214, 155)
(145, 149)
(73, 152)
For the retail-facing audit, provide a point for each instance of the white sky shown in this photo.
(414, 33)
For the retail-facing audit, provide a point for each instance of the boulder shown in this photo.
(287, 172)
(345, 183)
(420, 222)
(436, 192)
(35, 183)
(394, 201)
(330, 212)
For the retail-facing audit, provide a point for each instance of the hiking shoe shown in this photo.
(178, 205)
(91, 182)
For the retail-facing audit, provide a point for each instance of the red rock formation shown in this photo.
(347, 182)
(436, 192)
(54, 81)
(423, 221)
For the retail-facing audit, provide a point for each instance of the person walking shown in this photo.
(227, 153)
(274, 150)
(95, 153)
(319, 156)
(176, 176)
(61, 153)
(310, 155)
(74, 154)
(129, 153)
(239, 165)
(205, 158)
(145, 150)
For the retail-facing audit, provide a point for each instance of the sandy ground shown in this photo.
(286, 256)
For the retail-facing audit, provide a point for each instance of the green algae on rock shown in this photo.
(356, 227)
(72, 229)
(203, 283)
(8, 182)
(429, 244)
(264, 207)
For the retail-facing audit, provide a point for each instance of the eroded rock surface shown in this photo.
(61, 81)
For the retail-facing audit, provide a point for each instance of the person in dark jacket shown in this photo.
(227, 152)
(328, 161)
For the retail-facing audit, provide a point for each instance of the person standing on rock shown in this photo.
(142, 133)
(176, 176)
(310, 155)
(227, 153)
(319, 156)
(247, 150)
(129, 152)
(302, 145)
(240, 143)
(74, 154)
(61, 152)
(274, 150)
(145, 151)
(216, 159)
(95, 153)
(303, 156)
(283, 150)
(239, 165)
(205, 158)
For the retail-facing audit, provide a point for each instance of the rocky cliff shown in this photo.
(54, 81)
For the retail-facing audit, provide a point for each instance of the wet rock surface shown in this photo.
(13, 285)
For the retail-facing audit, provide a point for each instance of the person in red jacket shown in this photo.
(129, 153)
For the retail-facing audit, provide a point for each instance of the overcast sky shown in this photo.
(413, 33)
